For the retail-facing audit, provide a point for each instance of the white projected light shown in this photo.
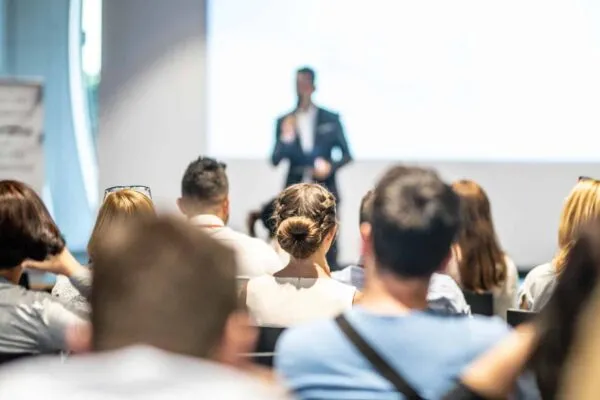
(412, 80)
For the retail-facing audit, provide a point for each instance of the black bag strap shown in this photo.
(384, 369)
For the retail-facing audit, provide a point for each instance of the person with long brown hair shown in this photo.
(118, 207)
(481, 264)
(581, 207)
(306, 221)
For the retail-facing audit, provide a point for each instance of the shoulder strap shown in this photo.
(384, 369)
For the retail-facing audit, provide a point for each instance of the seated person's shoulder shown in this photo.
(541, 271)
(29, 297)
(33, 373)
(301, 346)
(535, 283)
(483, 332)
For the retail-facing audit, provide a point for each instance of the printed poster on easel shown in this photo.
(21, 132)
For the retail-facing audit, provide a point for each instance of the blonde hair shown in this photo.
(118, 206)
(581, 207)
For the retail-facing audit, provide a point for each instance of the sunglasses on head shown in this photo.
(587, 178)
(145, 190)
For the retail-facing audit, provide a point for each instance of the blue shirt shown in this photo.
(444, 294)
(430, 351)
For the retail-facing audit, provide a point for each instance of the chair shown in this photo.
(265, 346)
(480, 303)
(24, 281)
(517, 317)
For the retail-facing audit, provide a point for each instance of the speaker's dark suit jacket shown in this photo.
(328, 135)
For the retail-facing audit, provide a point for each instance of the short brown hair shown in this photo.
(205, 181)
(415, 217)
(162, 282)
(304, 214)
(26, 227)
(118, 206)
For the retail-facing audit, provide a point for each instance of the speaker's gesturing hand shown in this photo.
(322, 169)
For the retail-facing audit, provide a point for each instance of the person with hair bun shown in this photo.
(306, 225)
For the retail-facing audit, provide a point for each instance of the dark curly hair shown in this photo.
(304, 214)
(26, 227)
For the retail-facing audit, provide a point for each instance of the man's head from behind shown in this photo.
(163, 283)
(415, 217)
(205, 189)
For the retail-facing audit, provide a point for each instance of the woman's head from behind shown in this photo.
(581, 206)
(119, 207)
(305, 217)
(27, 230)
(481, 265)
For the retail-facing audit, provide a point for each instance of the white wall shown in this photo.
(3, 32)
(151, 98)
(152, 123)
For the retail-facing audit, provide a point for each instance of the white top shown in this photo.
(254, 257)
(138, 372)
(444, 294)
(351, 275)
(289, 301)
(505, 296)
(537, 286)
(306, 121)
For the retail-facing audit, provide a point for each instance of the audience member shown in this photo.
(165, 316)
(117, 207)
(580, 375)
(443, 295)
(31, 322)
(558, 319)
(549, 345)
(581, 206)
(415, 218)
(305, 216)
(205, 201)
(480, 264)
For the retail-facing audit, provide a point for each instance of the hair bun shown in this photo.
(299, 236)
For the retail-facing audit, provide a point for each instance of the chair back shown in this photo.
(480, 303)
(517, 317)
(265, 345)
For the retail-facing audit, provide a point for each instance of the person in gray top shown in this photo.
(32, 322)
(444, 295)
